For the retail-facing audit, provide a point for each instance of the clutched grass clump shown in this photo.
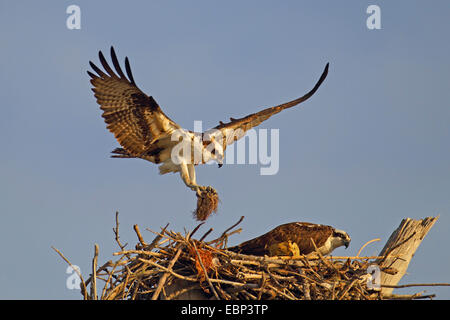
(207, 203)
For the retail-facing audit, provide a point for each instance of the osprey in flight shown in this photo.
(145, 131)
(295, 239)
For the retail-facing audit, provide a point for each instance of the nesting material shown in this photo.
(176, 266)
(207, 203)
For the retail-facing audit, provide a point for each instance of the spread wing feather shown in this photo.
(135, 119)
(236, 128)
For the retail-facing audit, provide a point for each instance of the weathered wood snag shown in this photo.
(400, 248)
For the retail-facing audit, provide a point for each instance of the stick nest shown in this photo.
(176, 266)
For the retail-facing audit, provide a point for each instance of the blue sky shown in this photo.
(369, 149)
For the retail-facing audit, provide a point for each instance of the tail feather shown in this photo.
(121, 153)
(152, 156)
(249, 248)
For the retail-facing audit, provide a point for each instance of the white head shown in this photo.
(340, 238)
(213, 147)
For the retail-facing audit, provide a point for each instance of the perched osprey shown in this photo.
(295, 239)
(144, 131)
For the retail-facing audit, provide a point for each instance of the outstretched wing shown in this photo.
(236, 128)
(135, 119)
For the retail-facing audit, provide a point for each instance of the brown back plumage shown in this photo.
(299, 233)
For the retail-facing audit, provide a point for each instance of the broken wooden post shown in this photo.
(399, 250)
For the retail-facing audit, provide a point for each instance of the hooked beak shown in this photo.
(346, 243)
(220, 165)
